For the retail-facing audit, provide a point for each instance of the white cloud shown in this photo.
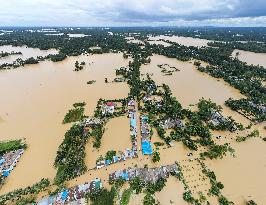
(131, 12)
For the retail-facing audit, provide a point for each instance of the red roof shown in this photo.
(110, 104)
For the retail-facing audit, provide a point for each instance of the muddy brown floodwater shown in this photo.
(26, 53)
(35, 101)
(186, 41)
(251, 57)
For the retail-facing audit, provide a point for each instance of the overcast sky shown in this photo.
(132, 12)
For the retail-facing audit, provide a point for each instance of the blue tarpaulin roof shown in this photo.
(125, 176)
(64, 195)
(146, 147)
(2, 161)
(144, 117)
(133, 122)
(6, 173)
(107, 161)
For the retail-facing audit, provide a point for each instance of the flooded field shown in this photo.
(188, 84)
(251, 57)
(244, 175)
(172, 193)
(186, 41)
(36, 100)
(165, 44)
(26, 53)
(116, 137)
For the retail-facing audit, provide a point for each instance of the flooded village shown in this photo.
(135, 124)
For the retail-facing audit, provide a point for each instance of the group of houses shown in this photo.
(171, 123)
(133, 125)
(8, 161)
(145, 135)
(262, 108)
(217, 118)
(147, 175)
(75, 194)
(128, 153)
(87, 123)
(154, 100)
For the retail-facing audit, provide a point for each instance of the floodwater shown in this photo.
(76, 35)
(188, 84)
(186, 41)
(251, 57)
(243, 176)
(172, 193)
(116, 137)
(26, 53)
(35, 100)
(158, 42)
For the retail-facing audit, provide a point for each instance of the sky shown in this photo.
(132, 12)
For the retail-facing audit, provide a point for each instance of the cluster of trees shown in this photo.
(102, 196)
(71, 154)
(217, 151)
(79, 66)
(30, 190)
(254, 112)
(12, 145)
(254, 133)
(209, 111)
(110, 154)
(19, 62)
(4, 54)
(75, 114)
(257, 47)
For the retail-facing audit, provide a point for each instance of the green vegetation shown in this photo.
(20, 194)
(149, 200)
(7, 146)
(217, 151)
(4, 54)
(126, 196)
(210, 113)
(254, 133)
(91, 82)
(102, 197)
(110, 154)
(75, 114)
(251, 202)
(70, 155)
(224, 201)
(137, 185)
(79, 66)
(156, 156)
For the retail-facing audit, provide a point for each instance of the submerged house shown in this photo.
(72, 195)
(108, 108)
(148, 175)
(9, 160)
(217, 118)
(171, 123)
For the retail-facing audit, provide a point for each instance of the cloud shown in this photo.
(130, 12)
